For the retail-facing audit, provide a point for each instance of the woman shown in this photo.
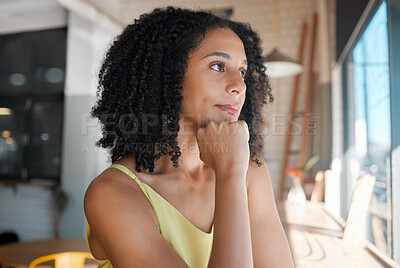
(180, 95)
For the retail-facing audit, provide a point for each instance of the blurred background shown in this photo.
(342, 107)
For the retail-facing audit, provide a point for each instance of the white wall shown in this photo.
(81, 160)
(28, 211)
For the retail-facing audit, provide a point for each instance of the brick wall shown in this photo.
(29, 211)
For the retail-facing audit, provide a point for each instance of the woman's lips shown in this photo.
(230, 109)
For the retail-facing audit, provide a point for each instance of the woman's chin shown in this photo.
(219, 119)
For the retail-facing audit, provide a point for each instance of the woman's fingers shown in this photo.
(224, 144)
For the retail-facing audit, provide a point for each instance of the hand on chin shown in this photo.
(220, 116)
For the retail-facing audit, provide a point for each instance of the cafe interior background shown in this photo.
(346, 111)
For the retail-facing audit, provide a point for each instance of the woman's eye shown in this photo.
(218, 66)
(243, 73)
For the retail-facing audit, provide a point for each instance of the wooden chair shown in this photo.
(377, 228)
(318, 192)
(348, 229)
(358, 209)
(74, 259)
(354, 224)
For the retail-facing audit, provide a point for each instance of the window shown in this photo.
(32, 69)
(368, 139)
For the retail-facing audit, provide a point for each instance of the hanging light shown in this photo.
(277, 63)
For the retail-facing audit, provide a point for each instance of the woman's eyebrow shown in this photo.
(221, 54)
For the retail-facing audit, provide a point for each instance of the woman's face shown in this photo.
(213, 87)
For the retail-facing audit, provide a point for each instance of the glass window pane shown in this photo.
(32, 70)
(370, 60)
(45, 145)
(33, 62)
(11, 138)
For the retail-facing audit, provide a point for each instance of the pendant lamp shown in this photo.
(277, 63)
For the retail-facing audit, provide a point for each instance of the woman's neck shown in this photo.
(189, 160)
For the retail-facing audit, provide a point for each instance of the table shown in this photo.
(312, 216)
(19, 255)
(315, 240)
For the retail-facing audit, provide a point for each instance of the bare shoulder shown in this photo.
(110, 184)
(111, 199)
(123, 224)
(114, 189)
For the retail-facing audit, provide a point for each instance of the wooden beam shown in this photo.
(291, 114)
(304, 140)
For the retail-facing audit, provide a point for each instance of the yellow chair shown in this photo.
(75, 259)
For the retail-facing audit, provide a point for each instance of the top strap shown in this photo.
(127, 172)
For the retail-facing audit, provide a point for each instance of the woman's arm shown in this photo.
(232, 238)
(269, 242)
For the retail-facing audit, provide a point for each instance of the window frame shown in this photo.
(394, 70)
(340, 72)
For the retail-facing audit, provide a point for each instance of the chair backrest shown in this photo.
(378, 230)
(355, 221)
(318, 192)
(74, 259)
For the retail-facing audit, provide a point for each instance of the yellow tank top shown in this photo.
(191, 243)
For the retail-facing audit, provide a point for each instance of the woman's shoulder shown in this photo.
(122, 220)
(110, 182)
(111, 190)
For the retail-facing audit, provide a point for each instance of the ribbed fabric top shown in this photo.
(191, 243)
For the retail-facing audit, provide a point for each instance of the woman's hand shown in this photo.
(224, 146)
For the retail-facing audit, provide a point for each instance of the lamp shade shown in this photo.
(280, 65)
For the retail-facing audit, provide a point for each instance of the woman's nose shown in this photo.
(236, 84)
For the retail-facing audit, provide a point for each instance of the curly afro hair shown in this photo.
(140, 84)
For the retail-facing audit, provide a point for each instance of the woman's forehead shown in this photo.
(221, 40)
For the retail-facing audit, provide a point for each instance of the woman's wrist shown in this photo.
(234, 173)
